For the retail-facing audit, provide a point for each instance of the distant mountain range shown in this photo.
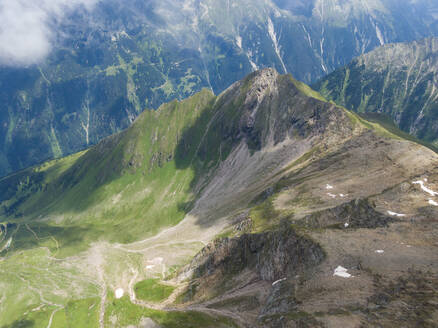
(111, 63)
(399, 80)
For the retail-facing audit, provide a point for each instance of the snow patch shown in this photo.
(346, 224)
(331, 195)
(239, 41)
(432, 202)
(119, 293)
(380, 251)
(253, 65)
(308, 36)
(156, 261)
(342, 195)
(329, 187)
(277, 48)
(342, 272)
(278, 281)
(380, 36)
(425, 189)
(396, 214)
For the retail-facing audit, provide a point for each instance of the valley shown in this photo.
(264, 206)
(110, 60)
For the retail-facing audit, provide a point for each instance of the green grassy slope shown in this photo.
(128, 187)
(151, 290)
(143, 179)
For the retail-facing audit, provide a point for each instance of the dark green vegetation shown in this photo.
(398, 80)
(142, 174)
(127, 56)
(151, 290)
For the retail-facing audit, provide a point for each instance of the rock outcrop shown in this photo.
(269, 256)
(358, 213)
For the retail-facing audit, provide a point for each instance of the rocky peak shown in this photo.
(277, 107)
(263, 81)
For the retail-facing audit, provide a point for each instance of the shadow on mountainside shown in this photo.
(261, 111)
(21, 323)
(173, 154)
(205, 144)
(60, 240)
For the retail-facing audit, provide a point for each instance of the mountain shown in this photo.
(111, 61)
(398, 80)
(265, 206)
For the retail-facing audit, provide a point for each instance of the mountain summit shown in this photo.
(107, 61)
(265, 206)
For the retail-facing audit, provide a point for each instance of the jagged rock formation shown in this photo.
(356, 214)
(269, 256)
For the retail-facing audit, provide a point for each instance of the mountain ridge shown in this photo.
(371, 83)
(260, 166)
(122, 58)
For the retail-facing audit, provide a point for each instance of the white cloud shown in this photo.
(26, 32)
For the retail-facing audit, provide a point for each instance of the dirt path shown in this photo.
(31, 231)
(96, 261)
(52, 315)
(102, 307)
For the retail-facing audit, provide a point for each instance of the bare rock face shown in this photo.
(358, 213)
(269, 256)
(281, 300)
(281, 303)
(270, 107)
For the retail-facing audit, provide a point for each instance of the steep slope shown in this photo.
(398, 80)
(177, 151)
(122, 233)
(111, 62)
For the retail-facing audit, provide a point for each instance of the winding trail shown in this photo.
(52, 315)
(166, 305)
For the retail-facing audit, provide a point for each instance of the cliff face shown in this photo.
(269, 256)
